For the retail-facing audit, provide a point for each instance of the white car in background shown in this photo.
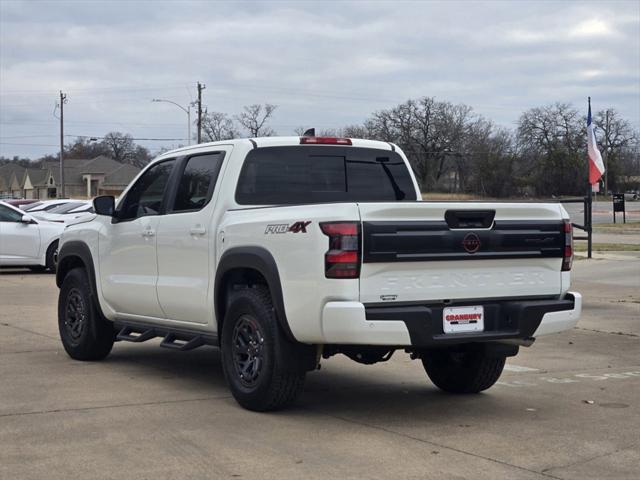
(66, 212)
(46, 205)
(26, 241)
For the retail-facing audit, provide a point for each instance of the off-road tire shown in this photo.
(51, 260)
(278, 381)
(85, 334)
(469, 370)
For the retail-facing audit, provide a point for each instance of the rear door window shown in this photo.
(299, 175)
(197, 182)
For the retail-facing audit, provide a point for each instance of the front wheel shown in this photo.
(51, 259)
(84, 333)
(260, 374)
(467, 369)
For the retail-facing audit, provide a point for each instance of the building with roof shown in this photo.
(8, 179)
(83, 178)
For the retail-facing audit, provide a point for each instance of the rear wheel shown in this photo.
(84, 333)
(260, 374)
(52, 257)
(467, 369)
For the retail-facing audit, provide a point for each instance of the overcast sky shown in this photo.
(325, 64)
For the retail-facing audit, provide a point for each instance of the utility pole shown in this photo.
(605, 157)
(63, 100)
(589, 206)
(200, 88)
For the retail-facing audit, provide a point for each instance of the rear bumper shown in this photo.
(421, 325)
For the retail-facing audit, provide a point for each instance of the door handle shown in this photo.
(148, 233)
(198, 230)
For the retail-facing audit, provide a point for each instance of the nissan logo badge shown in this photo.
(471, 242)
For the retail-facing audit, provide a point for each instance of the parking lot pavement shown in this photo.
(568, 407)
(603, 212)
(615, 238)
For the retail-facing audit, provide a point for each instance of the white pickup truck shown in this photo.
(283, 251)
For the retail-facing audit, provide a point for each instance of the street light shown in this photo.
(186, 110)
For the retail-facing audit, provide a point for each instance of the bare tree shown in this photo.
(614, 135)
(350, 131)
(218, 126)
(359, 131)
(430, 133)
(490, 164)
(553, 143)
(628, 165)
(254, 119)
(84, 147)
(123, 149)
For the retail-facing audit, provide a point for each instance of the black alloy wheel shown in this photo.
(85, 333)
(75, 317)
(248, 350)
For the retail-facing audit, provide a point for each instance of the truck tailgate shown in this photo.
(436, 251)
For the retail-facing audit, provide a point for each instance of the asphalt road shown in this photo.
(568, 407)
(603, 212)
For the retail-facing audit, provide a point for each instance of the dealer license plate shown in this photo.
(463, 319)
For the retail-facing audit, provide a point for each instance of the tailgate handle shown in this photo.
(466, 219)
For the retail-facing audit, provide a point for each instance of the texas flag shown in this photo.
(596, 166)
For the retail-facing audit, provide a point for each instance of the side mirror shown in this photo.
(27, 219)
(104, 205)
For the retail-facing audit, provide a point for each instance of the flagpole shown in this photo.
(589, 200)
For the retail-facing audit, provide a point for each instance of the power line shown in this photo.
(130, 88)
(95, 123)
(26, 136)
(132, 138)
(30, 144)
(97, 137)
(260, 87)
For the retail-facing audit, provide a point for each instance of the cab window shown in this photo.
(146, 196)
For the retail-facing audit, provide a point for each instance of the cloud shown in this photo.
(591, 28)
(325, 64)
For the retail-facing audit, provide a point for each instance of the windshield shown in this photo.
(84, 208)
(31, 206)
(320, 174)
(51, 206)
(66, 207)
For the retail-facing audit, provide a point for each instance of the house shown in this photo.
(9, 173)
(117, 180)
(34, 181)
(83, 178)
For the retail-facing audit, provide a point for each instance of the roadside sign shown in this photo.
(618, 206)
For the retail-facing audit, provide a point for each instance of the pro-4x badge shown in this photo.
(284, 228)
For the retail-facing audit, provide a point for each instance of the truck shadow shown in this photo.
(343, 391)
(24, 271)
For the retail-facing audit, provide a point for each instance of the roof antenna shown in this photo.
(310, 132)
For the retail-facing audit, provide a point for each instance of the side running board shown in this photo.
(175, 339)
(171, 340)
(128, 334)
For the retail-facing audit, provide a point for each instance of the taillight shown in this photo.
(324, 141)
(342, 260)
(567, 257)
